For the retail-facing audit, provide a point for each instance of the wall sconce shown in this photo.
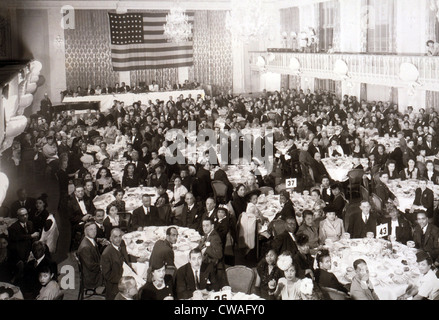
(59, 43)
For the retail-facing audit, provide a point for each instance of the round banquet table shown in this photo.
(132, 198)
(140, 243)
(405, 191)
(206, 295)
(116, 169)
(239, 173)
(17, 292)
(339, 167)
(389, 276)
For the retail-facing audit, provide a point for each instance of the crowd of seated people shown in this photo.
(140, 87)
(328, 127)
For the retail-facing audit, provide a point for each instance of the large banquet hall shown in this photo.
(219, 150)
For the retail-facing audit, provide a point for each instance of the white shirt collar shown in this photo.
(146, 209)
(118, 249)
(40, 259)
(91, 240)
(190, 207)
(424, 230)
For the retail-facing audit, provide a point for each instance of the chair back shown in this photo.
(377, 203)
(266, 190)
(219, 190)
(124, 221)
(81, 275)
(364, 193)
(60, 296)
(355, 176)
(335, 294)
(240, 278)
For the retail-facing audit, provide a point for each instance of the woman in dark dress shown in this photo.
(130, 178)
(325, 278)
(40, 214)
(269, 273)
(357, 149)
(158, 286)
(7, 266)
(238, 201)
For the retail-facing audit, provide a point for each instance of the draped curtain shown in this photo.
(290, 20)
(431, 24)
(87, 50)
(336, 41)
(212, 51)
(432, 100)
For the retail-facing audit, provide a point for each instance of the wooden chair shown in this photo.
(266, 190)
(84, 292)
(335, 294)
(364, 193)
(355, 179)
(377, 203)
(240, 278)
(124, 221)
(219, 191)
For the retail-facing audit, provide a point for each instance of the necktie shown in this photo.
(366, 218)
(25, 228)
(197, 280)
(23, 203)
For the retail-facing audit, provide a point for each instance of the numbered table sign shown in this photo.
(382, 231)
(221, 295)
(291, 183)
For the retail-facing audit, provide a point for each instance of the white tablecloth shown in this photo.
(405, 192)
(384, 269)
(339, 168)
(116, 169)
(129, 98)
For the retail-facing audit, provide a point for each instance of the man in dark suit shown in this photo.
(23, 202)
(195, 275)
(286, 241)
(221, 175)
(112, 260)
(426, 236)
(192, 213)
(144, 216)
(409, 152)
(202, 186)
(136, 139)
(123, 88)
(210, 211)
(430, 145)
(399, 228)
(162, 250)
(21, 235)
(107, 89)
(424, 197)
(315, 148)
(90, 257)
(79, 211)
(222, 224)
(139, 166)
(363, 222)
(430, 174)
(318, 168)
(210, 245)
(30, 284)
(325, 190)
(381, 189)
(287, 209)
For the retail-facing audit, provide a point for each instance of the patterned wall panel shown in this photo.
(5, 35)
(87, 49)
(212, 51)
(290, 20)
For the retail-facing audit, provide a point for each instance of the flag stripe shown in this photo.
(129, 48)
(152, 58)
(158, 66)
(152, 63)
(152, 54)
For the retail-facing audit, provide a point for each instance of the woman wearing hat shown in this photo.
(427, 287)
(248, 220)
(238, 201)
(332, 227)
(87, 161)
(40, 214)
(158, 285)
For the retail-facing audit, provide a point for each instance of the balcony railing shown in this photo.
(367, 68)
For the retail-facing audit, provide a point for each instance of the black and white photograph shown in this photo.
(220, 154)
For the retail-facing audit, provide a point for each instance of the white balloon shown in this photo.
(35, 67)
(10, 105)
(261, 62)
(34, 78)
(15, 126)
(341, 68)
(408, 72)
(271, 57)
(25, 101)
(31, 87)
(294, 64)
(4, 184)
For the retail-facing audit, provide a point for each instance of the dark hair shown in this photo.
(307, 213)
(118, 190)
(320, 255)
(43, 198)
(358, 262)
(430, 41)
(168, 231)
(316, 191)
(194, 251)
(302, 239)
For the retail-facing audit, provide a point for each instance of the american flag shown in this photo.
(138, 42)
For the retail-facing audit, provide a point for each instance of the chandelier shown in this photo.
(177, 27)
(247, 20)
